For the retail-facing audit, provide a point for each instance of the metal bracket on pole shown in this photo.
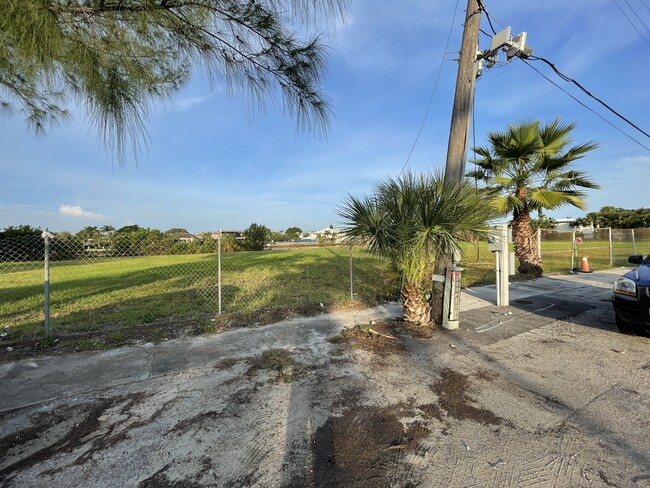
(513, 46)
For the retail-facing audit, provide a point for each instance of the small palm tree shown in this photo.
(528, 167)
(411, 220)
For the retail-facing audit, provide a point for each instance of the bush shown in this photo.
(256, 237)
(229, 244)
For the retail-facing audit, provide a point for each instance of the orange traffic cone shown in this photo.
(584, 267)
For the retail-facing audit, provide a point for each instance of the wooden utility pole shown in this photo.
(459, 132)
(464, 96)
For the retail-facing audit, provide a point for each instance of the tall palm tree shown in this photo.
(410, 220)
(528, 167)
(107, 230)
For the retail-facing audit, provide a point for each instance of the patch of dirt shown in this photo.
(485, 375)
(279, 360)
(451, 390)
(198, 422)
(109, 337)
(377, 337)
(160, 480)
(420, 332)
(360, 448)
(68, 428)
(29, 345)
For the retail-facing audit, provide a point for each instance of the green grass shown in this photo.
(108, 295)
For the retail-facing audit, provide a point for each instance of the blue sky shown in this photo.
(213, 163)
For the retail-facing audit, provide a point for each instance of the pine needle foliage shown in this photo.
(117, 57)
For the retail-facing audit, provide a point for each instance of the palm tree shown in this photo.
(411, 220)
(528, 167)
(107, 230)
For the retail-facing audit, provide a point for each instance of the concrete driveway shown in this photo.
(543, 393)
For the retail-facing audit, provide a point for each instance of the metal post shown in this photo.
(633, 242)
(46, 235)
(574, 250)
(503, 283)
(539, 243)
(351, 287)
(219, 269)
(611, 250)
(499, 271)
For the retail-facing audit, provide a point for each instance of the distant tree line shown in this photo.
(616, 218)
(25, 243)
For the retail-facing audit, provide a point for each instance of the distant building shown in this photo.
(237, 234)
(185, 237)
(328, 235)
(565, 225)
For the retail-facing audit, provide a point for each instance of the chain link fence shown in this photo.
(112, 282)
(604, 248)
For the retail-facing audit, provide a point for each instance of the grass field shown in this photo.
(113, 294)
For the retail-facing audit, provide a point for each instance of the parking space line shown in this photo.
(509, 320)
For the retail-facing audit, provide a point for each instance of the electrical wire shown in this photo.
(435, 87)
(632, 23)
(588, 93)
(637, 16)
(571, 80)
(645, 5)
(487, 16)
(587, 107)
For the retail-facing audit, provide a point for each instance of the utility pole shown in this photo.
(469, 67)
(464, 96)
(458, 135)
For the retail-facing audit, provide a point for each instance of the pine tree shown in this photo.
(117, 57)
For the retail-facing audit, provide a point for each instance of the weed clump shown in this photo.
(279, 360)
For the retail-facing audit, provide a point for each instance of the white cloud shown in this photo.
(187, 103)
(78, 211)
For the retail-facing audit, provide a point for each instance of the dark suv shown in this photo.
(631, 297)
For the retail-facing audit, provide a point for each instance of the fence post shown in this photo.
(351, 288)
(219, 269)
(633, 242)
(46, 259)
(574, 250)
(539, 243)
(611, 249)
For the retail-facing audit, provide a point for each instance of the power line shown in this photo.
(587, 107)
(487, 16)
(587, 92)
(571, 80)
(435, 87)
(645, 5)
(637, 16)
(631, 23)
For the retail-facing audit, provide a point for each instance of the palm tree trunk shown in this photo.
(416, 308)
(436, 302)
(522, 234)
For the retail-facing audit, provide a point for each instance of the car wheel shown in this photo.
(625, 327)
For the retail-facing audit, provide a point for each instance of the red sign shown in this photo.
(578, 240)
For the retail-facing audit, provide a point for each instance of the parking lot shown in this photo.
(542, 393)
